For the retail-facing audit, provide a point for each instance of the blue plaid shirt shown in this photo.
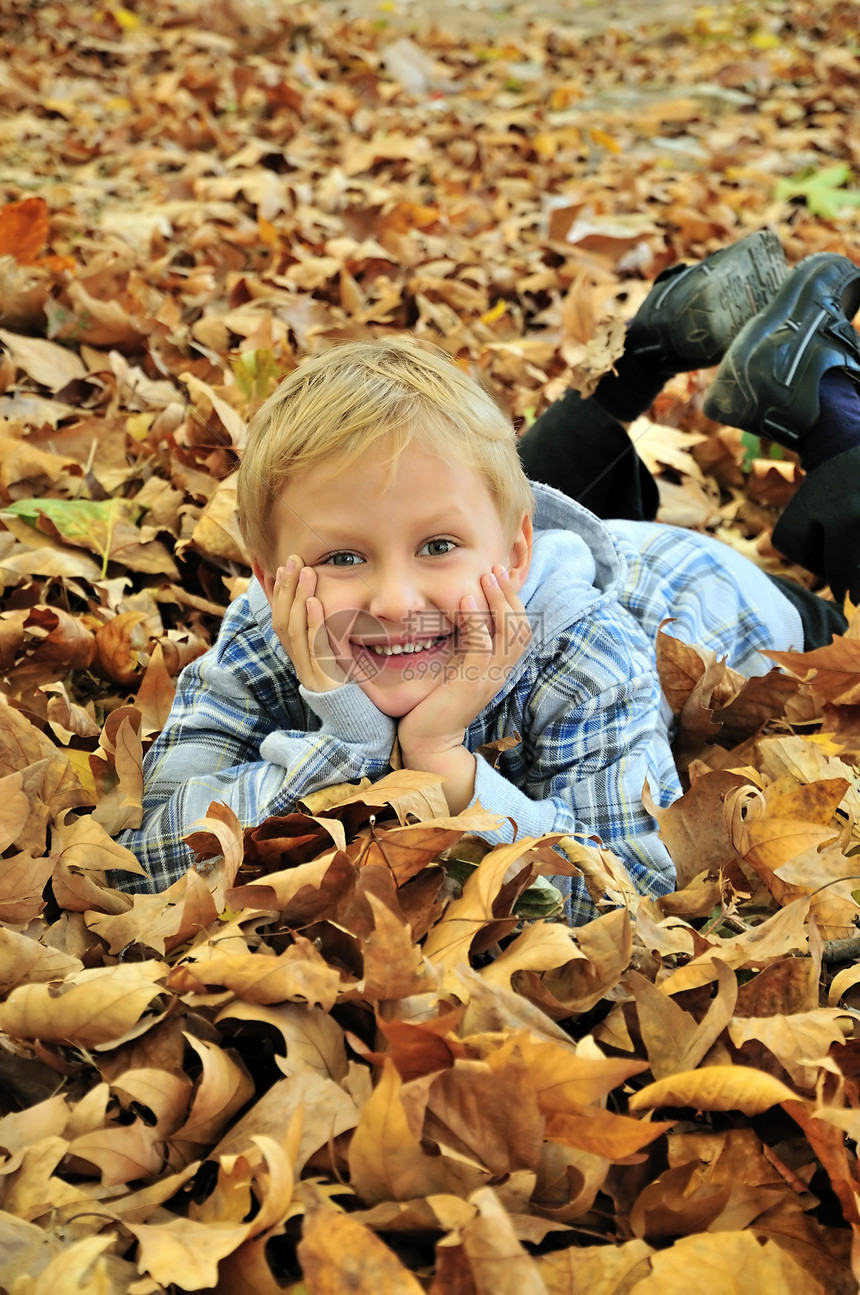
(585, 700)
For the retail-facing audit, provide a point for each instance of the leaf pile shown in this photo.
(354, 1049)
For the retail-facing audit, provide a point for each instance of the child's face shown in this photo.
(394, 553)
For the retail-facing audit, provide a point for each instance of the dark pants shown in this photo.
(581, 450)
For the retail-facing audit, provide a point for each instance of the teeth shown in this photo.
(397, 649)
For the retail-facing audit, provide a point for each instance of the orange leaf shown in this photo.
(24, 229)
(601, 1133)
(338, 1254)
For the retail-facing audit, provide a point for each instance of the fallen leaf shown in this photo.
(335, 1251)
(715, 1088)
(99, 1006)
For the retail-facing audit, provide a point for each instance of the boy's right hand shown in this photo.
(298, 619)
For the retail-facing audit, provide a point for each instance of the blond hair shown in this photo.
(347, 399)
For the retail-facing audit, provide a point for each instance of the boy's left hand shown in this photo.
(431, 736)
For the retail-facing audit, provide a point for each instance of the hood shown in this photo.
(575, 564)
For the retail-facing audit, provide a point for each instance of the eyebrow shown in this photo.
(452, 511)
(329, 535)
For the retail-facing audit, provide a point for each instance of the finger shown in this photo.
(473, 632)
(512, 631)
(320, 651)
(283, 594)
(500, 589)
(284, 591)
(297, 617)
(286, 577)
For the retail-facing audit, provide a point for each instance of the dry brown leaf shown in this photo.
(607, 943)
(48, 364)
(298, 973)
(496, 1262)
(336, 1251)
(182, 1249)
(675, 1041)
(386, 1158)
(97, 1007)
(601, 1133)
(595, 1270)
(450, 939)
(393, 966)
(831, 672)
(159, 922)
(728, 1262)
(223, 1089)
(800, 1042)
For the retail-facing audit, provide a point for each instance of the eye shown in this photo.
(437, 548)
(342, 559)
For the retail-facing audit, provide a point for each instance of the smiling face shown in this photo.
(395, 549)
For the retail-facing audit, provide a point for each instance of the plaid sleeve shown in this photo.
(242, 732)
(592, 734)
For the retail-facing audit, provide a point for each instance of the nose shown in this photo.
(393, 593)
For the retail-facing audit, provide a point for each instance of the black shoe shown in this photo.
(693, 312)
(769, 378)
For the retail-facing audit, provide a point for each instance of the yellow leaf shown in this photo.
(495, 313)
(715, 1088)
(541, 947)
(79, 762)
(605, 140)
(138, 425)
(386, 1160)
(299, 973)
(184, 1252)
(800, 1041)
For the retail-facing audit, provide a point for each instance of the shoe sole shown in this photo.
(733, 285)
(733, 293)
(733, 398)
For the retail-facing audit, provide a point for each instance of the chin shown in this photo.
(394, 707)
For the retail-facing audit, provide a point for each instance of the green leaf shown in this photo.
(256, 373)
(541, 899)
(752, 450)
(822, 191)
(85, 523)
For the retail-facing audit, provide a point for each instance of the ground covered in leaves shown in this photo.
(346, 1057)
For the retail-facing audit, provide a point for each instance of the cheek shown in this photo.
(336, 592)
(338, 601)
(464, 579)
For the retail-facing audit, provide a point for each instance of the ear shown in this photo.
(520, 557)
(266, 580)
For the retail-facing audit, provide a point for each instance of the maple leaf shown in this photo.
(822, 190)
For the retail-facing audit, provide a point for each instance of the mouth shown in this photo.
(390, 655)
(408, 648)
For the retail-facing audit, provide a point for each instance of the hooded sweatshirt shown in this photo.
(584, 702)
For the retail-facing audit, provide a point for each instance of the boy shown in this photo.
(407, 586)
